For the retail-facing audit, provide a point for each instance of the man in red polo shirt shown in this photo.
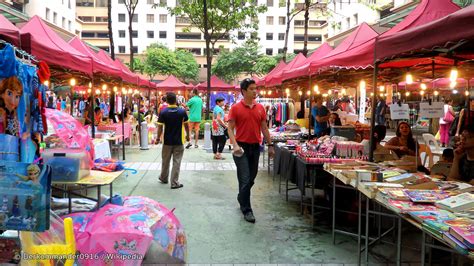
(248, 118)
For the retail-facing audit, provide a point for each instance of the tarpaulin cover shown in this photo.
(46, 45)
(216, 84)
(172, 83)
(275, 70)
(303, 70)
(98, 65)
(452, 28)
(277, 78)
(362, 56)
(363, 34)
(9, 32)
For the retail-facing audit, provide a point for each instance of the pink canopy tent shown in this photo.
(362, 56)
(277, 78)
(98, 66)
(363, 34)
(9, 32)
(439, 33)
(132, 77)
(102, 55)
(216, 85)
(303, 70)
(172, 83)
(274, 71)
(42, 42)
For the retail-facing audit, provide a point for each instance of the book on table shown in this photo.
(400, 206)
(455, 186)
(426, 196)
(439, 221)
(465, 234)
(401, 178)
(455, 243)
(461, 202)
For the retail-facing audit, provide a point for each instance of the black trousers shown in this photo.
(218, 143)
(247, 168)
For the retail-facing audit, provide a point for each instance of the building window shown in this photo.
(86, 34)
(316, 23)
(281, 20)
(163, 18)
(356, 19)
(87, 3)
(134, 34)
(55, 18)
(183, 20)
(47, 13)
(269, 3)
(196, 51)
(69, 25)
(150, 18)
(163, 2)
(162, 34)
(299, 23)
(103, 35)
(348, 23)
(269, 20)
(69, 4)
(311, 38)
(188, 36)
(150, 34)
(280, 51)
(121, 34)
(281, 36)
(241, 36)
(269, 36)
(269, 51)
(150, 2)
(254, 35)
(101, 3)
(135, 49)
(86, 19)
(101, 19)
(121, 49)
(135, 18)
(63, 23)
(121, 17)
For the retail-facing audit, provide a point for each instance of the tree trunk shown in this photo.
(130, 30)
(288, 21)
(208, 58)
(111, 37)
(306, 21)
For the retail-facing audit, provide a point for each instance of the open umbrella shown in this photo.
(70, 131)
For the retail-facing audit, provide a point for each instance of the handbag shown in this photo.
(448, 117)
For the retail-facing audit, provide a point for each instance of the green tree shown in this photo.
(240, 60)
(187, 68)
(216, 19)
(264, 64)
(160, 60)
(138, 65)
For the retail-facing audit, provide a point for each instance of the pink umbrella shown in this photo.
(70, 131)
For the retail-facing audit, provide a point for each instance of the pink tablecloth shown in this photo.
(117, 128)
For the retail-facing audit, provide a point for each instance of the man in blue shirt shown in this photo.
(320, 116)
(173, 118)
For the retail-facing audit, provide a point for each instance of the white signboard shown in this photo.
(435, 110)
(362, 106)
(399, 112)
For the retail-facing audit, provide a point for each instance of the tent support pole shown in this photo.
(374, 98)
(93, 108)
(123, 123)
(309, 112)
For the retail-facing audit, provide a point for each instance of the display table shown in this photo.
(96, 179)
(117, 128)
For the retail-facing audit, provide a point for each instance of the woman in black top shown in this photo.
(463, 164)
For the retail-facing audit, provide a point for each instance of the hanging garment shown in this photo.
(291, 110)
(8, 62)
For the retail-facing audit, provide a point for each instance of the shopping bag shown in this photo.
(437, 136)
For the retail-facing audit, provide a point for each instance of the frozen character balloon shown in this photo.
(10, 93)
(33, 172)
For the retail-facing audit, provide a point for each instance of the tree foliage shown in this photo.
(264, 64)
(240, 60)
(188, 68)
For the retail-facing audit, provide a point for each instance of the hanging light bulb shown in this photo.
(371, 94)
(453, 75)
(72, 82)
(89, 91)
(124, 91)
(422, 93)
(466, 93)
(407, 93)
(308, 93)
(104, 87)
(215, 93)
(325, 95)
(108, 92)
(115, 89)
(386, 94)
(230, 93)
(455, 91)
(315, 88)
(200, 94)
(381, 94)
(162, 93)
(135, 91)
(269, 92)
(409, 78)
(362, 85)
(382, 88)
(423, 86)
(300, 93)
(452, 84)
(263, 93)
(329, 92)
(287, 91)
(343, 91)
(97, 92)
(46, 83)
(436, 93)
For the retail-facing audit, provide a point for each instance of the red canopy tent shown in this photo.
(451, 29)
(319, 53)
(275, 70)
(42, 42)
(9, 32)
(216, 85)
(278, 78)
(98, 66)
(126, 76)
(130, 76)
(362, 56)
(363, 34)
(172, 83)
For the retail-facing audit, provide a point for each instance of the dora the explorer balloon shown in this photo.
(10, 93)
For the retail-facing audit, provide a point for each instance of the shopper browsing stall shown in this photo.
(218, 128)
(321, 116)
(463, 164)
(445, 122)
(195, 110)
(248, 118)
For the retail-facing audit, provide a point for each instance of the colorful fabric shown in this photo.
(195, 109)
(108, 165)
(217, 129)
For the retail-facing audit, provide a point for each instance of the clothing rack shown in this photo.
(21, 54)
(274, 100)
